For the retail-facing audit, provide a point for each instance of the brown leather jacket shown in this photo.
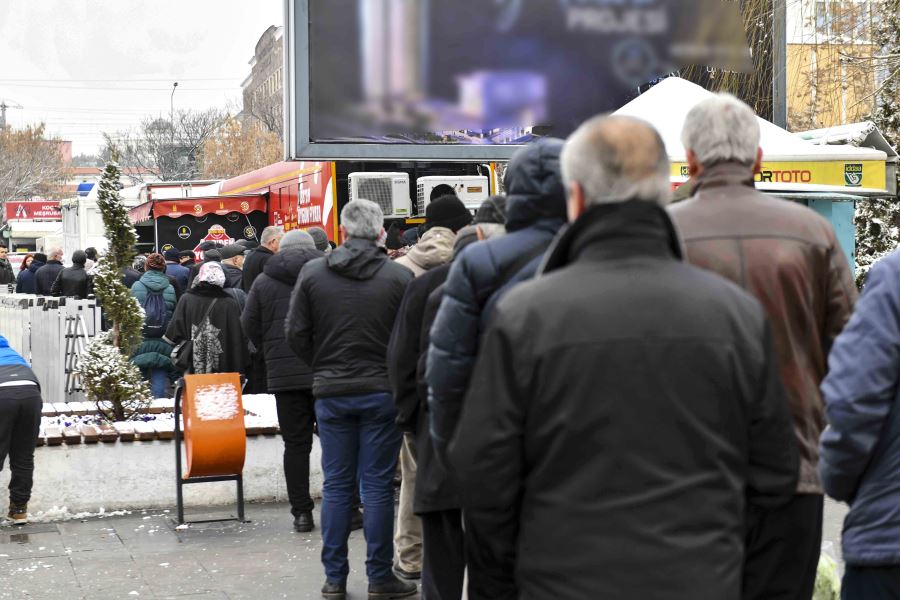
(788, 257)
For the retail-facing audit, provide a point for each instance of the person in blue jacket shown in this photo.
(20, 421)
(860, 450)
(152, 357)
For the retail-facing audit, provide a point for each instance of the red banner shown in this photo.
(206, 206)
(32, 211)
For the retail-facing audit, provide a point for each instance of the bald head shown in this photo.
(615, 159)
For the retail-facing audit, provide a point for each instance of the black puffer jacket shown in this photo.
(341, 316)
(266, 312)
(625, 410)
(45, 276)
(536, 211)
(73, 282)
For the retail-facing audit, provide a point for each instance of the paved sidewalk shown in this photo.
(142, 556)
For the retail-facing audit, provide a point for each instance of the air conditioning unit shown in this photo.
(390, 191)
(471, 189)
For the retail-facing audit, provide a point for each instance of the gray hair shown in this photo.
(55, 254)
(297, 238)
(722, 129)
(363, 219)
(270, 233)
(616, 159)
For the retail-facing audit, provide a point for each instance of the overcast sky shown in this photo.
(88, 66)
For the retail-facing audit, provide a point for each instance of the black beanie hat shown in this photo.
(40, 257)
(449, 212)
(492, 210)
(172, 255)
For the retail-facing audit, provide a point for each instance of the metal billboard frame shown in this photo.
(297, 142)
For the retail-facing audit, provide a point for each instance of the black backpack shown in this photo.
(155, 315)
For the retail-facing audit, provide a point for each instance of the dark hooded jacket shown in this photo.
(341, 316)
(265, 314)
(234, 277)
(536, 205)
(25, 283)
(219, 342)
(46, 276)
(624, 412)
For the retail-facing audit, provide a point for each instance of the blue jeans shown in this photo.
(159, 380)
(358, 435)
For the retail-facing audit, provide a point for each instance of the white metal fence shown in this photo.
(50, 333)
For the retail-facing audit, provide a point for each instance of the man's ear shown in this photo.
(694, 166)
(757, 167)
(576, 202)
(343, 231)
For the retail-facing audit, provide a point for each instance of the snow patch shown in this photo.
(62, 514)
(216, 402)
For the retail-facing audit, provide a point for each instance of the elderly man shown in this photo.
(787, 256)
(45, 277)
(255, 262)
(633, 404)
(232, 264)
(340, 320)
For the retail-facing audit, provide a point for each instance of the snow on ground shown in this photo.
(62, 514)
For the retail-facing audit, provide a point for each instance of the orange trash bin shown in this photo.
(215, 438)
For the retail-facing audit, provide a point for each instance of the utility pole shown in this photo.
(4, 104)
(779, 63)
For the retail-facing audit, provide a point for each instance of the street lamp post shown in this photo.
(172, 105)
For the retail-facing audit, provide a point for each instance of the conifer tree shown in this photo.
(110, 379)
(878, 221)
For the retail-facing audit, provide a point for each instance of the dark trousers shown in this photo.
(443, 556)
(296, 416)
(359, 438)
(490, 561)
(20, 421)
(782, 550)
(871, 583)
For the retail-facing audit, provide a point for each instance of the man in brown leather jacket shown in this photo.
(788, 257)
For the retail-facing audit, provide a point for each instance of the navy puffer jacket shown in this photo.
(536, 210)
(266, 312)
(860, 450)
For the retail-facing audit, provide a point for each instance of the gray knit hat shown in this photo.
(297, 238)
(319, 237)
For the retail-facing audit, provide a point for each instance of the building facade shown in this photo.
(263, 89)
(831, 75)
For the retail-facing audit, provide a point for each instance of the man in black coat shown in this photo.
(341, 315)
(435, 500)
(232, 257)
(6, 271)
(46, 275)
(625, 410)
(255, 261)
(288, 378)
(74, 282)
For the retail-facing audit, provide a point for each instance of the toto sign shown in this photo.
(33, 211)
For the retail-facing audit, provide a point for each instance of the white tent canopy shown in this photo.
(667, 104)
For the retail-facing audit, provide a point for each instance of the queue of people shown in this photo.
(590, 393)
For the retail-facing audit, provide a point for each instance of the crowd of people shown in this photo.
(589, 393)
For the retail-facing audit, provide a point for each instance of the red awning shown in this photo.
(140, 213)
(198, 207)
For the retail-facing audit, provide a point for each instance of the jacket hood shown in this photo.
(434, 249)
(35, 265)
(616, 231)
(155, 281)
(357, 259)
(534, 187)
(285, 265)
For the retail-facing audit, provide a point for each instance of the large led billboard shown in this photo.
(475, 79)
